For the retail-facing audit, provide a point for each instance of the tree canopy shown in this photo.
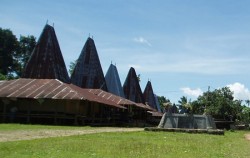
(220, 103)
(14, 53)
(8, 51)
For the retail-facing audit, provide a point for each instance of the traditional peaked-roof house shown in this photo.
(149, 96)
(46, 61)
(157, 103)
(44, 93)
(113, 81)
(88, 71)
(52, 101)
(131, 87)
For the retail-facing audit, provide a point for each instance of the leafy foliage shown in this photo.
(185, 105)
(163, 100)
(8, 50)
(26, 46)
(139, 78)
(220, 103)
(245, 115)
(14, 53)
(72, 66)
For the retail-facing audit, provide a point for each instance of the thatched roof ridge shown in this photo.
(88, 71)
(46, 61)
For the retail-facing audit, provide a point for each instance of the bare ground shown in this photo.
(38, 134)
(247, 136)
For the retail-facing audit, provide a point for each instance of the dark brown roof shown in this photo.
(116, 99)
(88, 71)
(113, 81)
(46, 61)
(149, 95)
(131, 87)
(50, 89)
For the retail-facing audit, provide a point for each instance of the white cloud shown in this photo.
(240, 91)
(192, 92)
(142, 40)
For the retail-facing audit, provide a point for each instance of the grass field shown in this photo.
(125, 144)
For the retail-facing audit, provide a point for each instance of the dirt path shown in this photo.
(247, 136)
(37, 134)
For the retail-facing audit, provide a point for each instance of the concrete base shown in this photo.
(187, 121)
(195, 131)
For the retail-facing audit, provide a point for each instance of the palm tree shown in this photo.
(183, 100)
(247, 102)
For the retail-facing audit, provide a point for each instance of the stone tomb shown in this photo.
(187, 121)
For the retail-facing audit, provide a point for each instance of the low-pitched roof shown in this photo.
(49, 89)
(116, 99)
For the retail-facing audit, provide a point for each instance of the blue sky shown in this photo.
(182, 46)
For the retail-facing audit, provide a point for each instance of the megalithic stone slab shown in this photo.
(189, 121)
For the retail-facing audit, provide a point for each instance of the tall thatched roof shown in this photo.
(149, 95)
(88, 71)
(131, 87)
(113, 81)
(46, 61)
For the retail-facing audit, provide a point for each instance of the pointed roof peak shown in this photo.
(112, 65)
(90, 39)
(88, 71)
(149, 83)
(46, 60)
(132, 69)
(113, 81)
(149, 96)
(131, 87)
(49, 27)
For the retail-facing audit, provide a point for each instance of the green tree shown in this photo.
(26, 46)
(14, 53)
(183, 100)
(220, 104)
(197, 108)
(245, 115)
(3, 77)
(139, 78)
(185, 105)
(247, 102)
(8, 52)
(162, 100)
(72, 66)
